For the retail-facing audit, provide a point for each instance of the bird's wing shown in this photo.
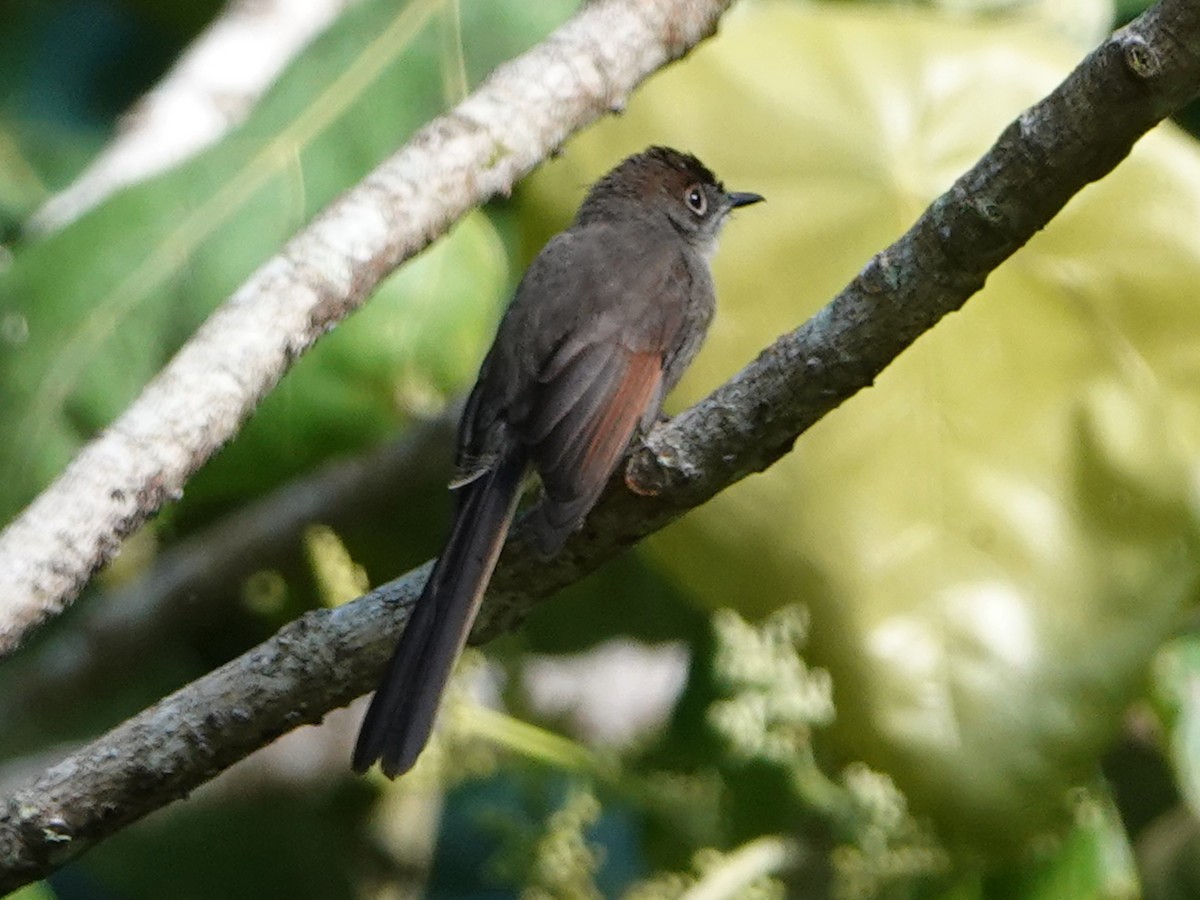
(603, 377)
(590, 416)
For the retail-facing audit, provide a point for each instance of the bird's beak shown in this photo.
(737, 199)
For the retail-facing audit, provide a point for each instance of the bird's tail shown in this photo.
(400, 717)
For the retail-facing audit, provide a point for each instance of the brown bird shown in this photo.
(602, 326)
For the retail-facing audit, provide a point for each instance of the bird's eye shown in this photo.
(696, 200)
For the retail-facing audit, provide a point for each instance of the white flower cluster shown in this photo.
(773, 699)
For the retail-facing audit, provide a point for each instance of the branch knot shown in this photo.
(1141, 59)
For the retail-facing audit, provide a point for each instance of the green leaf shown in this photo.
(20, 186)
(1175, 687)
(39, 890)
(1093, 862)
(996, 537)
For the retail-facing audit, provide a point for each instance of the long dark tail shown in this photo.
(400, 717)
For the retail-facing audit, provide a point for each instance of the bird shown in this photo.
(601, 327)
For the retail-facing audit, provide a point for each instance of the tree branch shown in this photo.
(328, 657)
(199, 579)
(526, 109)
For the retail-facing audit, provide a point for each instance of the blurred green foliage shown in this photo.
(996, 538)
(147, 266)
(996, 544)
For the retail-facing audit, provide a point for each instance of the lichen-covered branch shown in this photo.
(525, 109)
(326, 658)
